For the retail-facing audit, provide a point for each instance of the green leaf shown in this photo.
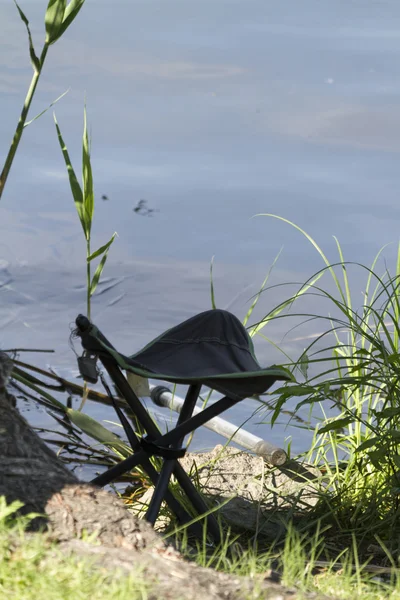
(53, 19)
(338, 424)
(281, 401)
(326, 388)
(87, 178)
(303, 365)
(101, 249)
(73, 181)
(348, 381)
(70, 13)
(387, 413)
(378, 457)
(25, 381)
(260, 291)
(394, 358)
(34, 59)
(98, 272)
(96, 431)
(310, 400)
(295, 390)
(362, 352)
(46, 109)
(370, 443)
(213, 305)
(394, 433)
(285, 372)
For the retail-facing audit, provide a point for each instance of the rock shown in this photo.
(245, 484)
(83, 509)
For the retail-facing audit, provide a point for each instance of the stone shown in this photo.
(246, 486)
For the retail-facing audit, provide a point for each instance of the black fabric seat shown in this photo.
(211, 348)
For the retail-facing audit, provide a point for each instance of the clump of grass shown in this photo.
(31, 566)
(349, 377)
(297, 565)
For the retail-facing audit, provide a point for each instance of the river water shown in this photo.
(212, 112)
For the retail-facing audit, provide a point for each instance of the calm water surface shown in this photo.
(212, 112)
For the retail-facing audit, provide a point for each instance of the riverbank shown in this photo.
(122, 552)
(96, 547)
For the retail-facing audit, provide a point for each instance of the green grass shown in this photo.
(349, 379)
(299, 565)
(32, 567)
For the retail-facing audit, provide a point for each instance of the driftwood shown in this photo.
(32, 473)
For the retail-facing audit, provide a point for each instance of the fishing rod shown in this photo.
(162, 396)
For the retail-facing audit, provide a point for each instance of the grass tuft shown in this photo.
(31, 566)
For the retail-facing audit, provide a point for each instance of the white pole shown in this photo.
(275, 456)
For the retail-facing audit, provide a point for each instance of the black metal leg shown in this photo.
(153, 431)
(129, 431)
(166, 440)
(175, 506)
(168, 466)
(173, 503)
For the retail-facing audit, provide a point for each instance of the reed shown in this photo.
(58, 17)
(348, 377)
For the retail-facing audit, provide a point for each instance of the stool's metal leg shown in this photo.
(173, 503)
(152, 429)
(141, 458)
(165, 440)
(168, 466)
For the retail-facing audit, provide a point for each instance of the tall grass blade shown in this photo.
(213, 305)
(345, 276)
(96, 431)
(87, 178)
(46, 109)
(276, 312)
(41, 392)
(98, 272)
(397, 308)
(102, 248)
(264, 283)
(34, 59)
(73, 182)
(58, 17)
(314, 243)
